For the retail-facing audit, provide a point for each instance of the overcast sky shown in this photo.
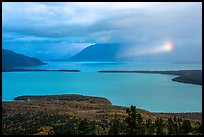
(63, 29)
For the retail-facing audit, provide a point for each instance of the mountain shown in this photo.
(98, 52)
(10, 60)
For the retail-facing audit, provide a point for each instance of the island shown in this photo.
(184, 76)
(38, 70)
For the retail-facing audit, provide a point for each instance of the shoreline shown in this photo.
(63, 113)
(183, 76)
(79, 97)
(156, 112)
(38, 70)
(103, 102)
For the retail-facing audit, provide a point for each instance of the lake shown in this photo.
(152, 92)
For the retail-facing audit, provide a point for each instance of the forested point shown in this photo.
(67, 117)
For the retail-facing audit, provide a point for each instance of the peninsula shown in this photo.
(184, 76)
(71, 114)
(21, 69)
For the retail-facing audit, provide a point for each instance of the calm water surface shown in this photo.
(95, 66)
(153, 92)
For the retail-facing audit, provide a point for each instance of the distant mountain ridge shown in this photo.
(10, 60)
(98, 52)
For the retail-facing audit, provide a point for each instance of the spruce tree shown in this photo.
(149, 127)
(186, 126)
(115, 126)
(85, 127)
(134, 122)
(159, 126)
(170, 126)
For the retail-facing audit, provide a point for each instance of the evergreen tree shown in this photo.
(141, 126)
(105, 123)
(115, 126)
(134, 122)
(149, 126)
(159, 126)
(186, 127)
(176, 127)
(85, 127)
(170, 126)
(179, 121)
(175, 120)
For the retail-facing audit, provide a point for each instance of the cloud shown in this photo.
(80, 19)
(92, 22)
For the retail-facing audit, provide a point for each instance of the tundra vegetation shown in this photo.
(92, 116)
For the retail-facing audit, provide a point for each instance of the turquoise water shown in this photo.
(153, 92)
(95, 66)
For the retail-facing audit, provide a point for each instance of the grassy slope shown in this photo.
(80, 106)
(22, 117)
